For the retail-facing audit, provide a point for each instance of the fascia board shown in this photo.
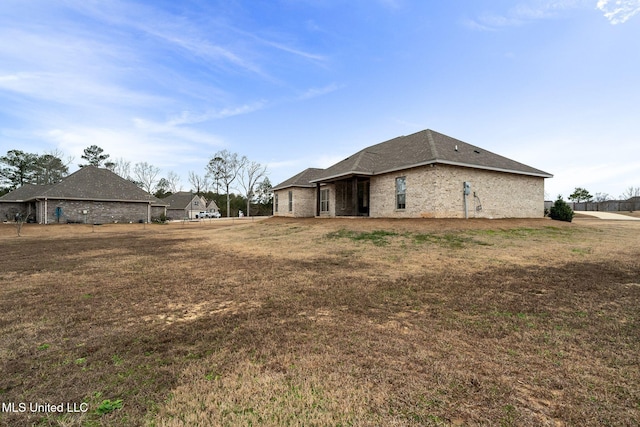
(465, 165)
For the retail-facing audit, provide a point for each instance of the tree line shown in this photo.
(583, 195)
(226, 171)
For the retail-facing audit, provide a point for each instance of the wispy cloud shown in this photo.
(315, 92)
(73, 89)
(205, 42)
(616, 11)
(518, 15)
(188, 117)
(619, 11)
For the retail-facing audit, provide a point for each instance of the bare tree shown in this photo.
(121, 167)
(146, 175)
(630, 192)
(601, 197)
(19, 219)
(250, 173)
(224, 167)
(199, 183)
(173, 182)
(59, 154)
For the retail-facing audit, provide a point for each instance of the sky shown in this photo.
(293, 84)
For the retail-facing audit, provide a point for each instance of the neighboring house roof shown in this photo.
(303, 179)
(87, 183)
(24, 193)
(181, 200)
(213, 206)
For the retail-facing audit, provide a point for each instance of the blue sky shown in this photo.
(304, 83)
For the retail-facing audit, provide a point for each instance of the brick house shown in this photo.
(184, 204)
(426, 174)
(90, 195)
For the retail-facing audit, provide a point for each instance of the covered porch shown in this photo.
(351, 196)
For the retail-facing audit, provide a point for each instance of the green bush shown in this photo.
(561, 210)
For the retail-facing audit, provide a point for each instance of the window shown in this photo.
(324, 200)
(401, 192)
(290, 201)
(275, 202)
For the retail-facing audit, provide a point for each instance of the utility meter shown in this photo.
(467, 188)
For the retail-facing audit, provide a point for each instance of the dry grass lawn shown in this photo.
(322, 322)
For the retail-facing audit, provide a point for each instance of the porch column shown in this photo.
(317, 199)
(355, 196)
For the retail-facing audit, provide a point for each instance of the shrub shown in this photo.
(160, 219)
(561, 211)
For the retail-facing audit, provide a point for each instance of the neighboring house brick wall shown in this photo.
(438, 192)
(8, 210)
(176, 213)
(97, 212)
(157, 211)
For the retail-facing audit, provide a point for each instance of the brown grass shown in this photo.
(323, 322)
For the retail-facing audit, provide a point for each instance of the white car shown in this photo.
(204, 214)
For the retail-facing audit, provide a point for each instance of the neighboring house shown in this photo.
(426, 174)
(212, 207)
(184, 205)
(89, 195)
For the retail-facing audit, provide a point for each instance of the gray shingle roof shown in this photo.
(87, 183)
(179, 200)
(303, 179)
(419, 149)
(422, 148)
(25, 192)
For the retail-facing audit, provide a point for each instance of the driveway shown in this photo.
(608, 215)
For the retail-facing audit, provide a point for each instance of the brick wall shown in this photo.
(8, 210)
(436, 191)
(304, 202)
(97, 212)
